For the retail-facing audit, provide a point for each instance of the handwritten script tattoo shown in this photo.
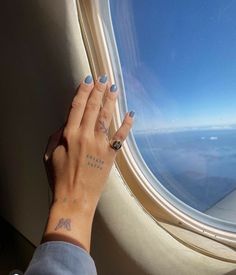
(64, 224)
(102, 127)
(94, 162)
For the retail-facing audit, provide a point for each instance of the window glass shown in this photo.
(178, 60)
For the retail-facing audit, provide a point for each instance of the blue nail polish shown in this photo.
(113, 88)
(131, 113)
(103, 79)
(88, 79)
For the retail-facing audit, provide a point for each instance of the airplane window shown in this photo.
(178, 61)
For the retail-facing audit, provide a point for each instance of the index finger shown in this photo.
(79, 102)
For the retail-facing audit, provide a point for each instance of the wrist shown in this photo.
(70, 221)
(73, 206)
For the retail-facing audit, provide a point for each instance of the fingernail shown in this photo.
(113, 88)
(103, 79)
(131, 113)
(88, 79)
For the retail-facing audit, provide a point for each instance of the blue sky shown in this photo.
(179, 61)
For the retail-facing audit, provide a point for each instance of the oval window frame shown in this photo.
(168, 211)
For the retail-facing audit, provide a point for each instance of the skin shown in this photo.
(78, 160)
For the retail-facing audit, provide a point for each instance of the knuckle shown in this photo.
(84, 138)
(110, 97)
(67, 133)
(104, 114)
(127, 124)
(92, 106)
(76, 103)
(100, 87)
(120, 136)
(84, 88)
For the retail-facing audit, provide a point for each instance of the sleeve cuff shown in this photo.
(61, 258)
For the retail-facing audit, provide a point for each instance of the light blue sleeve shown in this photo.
(61, 258)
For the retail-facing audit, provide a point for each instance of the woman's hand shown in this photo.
(78, 161)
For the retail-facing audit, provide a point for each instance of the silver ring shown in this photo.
(115, 144)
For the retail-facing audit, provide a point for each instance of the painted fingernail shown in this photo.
(103, 79)
(131, 113)
(88, 79)
(113, 88)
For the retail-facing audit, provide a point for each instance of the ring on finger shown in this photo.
(115, 144)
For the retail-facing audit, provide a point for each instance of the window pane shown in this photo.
(179, 61)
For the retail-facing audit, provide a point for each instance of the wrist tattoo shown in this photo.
(64, 224)
(94, 162)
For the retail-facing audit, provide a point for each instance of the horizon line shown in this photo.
(188, 128)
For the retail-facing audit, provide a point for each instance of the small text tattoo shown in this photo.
(94, 162)
(102, 127)
(64, 224)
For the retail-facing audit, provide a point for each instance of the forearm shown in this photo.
(69, 222)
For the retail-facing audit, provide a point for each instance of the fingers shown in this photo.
(79, 103)
(93, 104)
(86, 111)
(105, 115)
(124, 129)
